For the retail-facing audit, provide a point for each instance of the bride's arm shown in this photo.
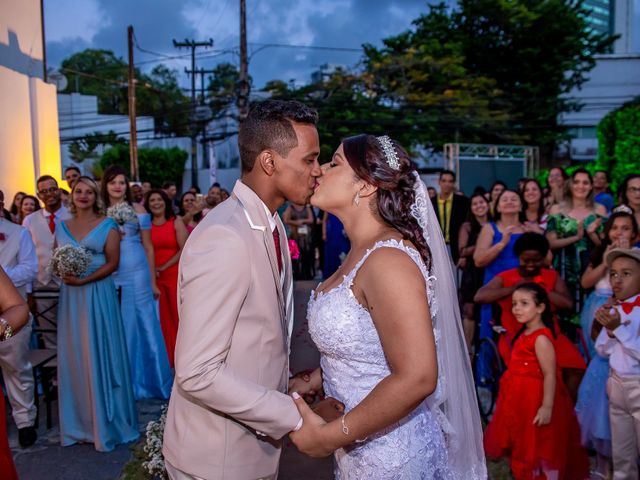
(394, 290)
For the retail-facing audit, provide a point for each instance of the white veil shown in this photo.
(454, 401)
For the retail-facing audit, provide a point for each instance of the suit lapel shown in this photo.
(257, 218)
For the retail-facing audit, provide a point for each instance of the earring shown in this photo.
(356, 200)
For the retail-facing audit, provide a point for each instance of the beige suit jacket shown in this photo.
(232, 351)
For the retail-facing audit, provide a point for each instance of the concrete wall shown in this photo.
(29, 142)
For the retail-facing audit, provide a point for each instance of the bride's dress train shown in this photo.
(353, 363)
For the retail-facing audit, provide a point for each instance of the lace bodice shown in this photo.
(353, 363)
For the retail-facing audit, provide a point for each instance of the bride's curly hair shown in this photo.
(396, 193)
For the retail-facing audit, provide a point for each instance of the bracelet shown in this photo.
(7, 333)
(345, 430)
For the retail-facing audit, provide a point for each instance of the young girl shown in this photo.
(593, 403)
(534, 423)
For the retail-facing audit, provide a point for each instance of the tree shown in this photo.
(222, 88)
(157, 165)
(619, 142)
(85, 148)
(101, 73)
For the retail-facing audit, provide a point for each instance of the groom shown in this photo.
(229, 406)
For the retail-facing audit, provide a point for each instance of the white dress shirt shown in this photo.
(37, 224)
(623, 349)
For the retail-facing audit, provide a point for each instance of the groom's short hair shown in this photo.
(269, 126)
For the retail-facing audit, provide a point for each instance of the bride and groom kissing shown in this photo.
(386, 323)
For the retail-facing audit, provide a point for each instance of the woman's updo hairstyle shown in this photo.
(396, 193)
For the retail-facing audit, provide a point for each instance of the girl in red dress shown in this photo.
(168, 235)
(534, 424)
(532, 249)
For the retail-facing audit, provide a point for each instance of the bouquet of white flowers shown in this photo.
(122, 213)
(153, 462)
(70, 261)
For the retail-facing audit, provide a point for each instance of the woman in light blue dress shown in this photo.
(95, 398)
(150, 370)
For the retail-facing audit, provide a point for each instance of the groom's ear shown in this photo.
(266, 162)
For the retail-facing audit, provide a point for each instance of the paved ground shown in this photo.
(48, 460)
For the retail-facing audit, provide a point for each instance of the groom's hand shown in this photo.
(329, 409)
(310, 438)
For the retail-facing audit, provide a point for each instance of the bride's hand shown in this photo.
(310, 438)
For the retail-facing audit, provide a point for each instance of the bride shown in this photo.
(388, 330)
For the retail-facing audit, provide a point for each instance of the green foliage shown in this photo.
(101, 73)
(85, 148)
(619, 142)
(156, 165)
(222, 87)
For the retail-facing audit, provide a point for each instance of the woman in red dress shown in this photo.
(532, 249)
(168, 235)
(534, 423)
(14, 314)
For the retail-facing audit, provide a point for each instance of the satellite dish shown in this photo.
(58, 79)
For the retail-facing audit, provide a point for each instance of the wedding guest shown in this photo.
(472, 276)
(71, 175)
(535, 216)
(168, 235)
(95, 397)
(224, 194)
(534, 424)
(336, 244)
(299, 220)
(556, 183)
(15, 206)
(64, 196)
(191, 210)
(433, 193)
(601, 192)
(494, 193)
(532, 249)
(451, 210)
(4, 213)
(146, 188)
(592, 407)
(195, 189)
(214, 196)
(19, 261)
(171, 190)
(14, 315)
(137, 194)
(42, 225)
(630, 195)
(573, 229)
(136, 278)
(620, 342)
(494, 249)
(28, 205)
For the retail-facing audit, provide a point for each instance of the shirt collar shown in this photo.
(271, 217)
(57, 213)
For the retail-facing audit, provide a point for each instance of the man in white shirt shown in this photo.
(42, 225)
(18, 259)
(619, 340)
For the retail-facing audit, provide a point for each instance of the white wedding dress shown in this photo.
(353, 363)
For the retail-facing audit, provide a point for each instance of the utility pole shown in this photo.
(193, 45)
(133, 132)
(243, 83)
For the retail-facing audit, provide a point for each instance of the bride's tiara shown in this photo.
(389, 152)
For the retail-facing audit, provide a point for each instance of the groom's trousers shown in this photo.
(175, 474)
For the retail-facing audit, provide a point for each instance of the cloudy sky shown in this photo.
(73, 25)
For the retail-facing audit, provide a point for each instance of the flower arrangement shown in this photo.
(122, 213)
(293, 249)
(153, 463)
(70, 260)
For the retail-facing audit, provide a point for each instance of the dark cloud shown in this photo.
(339, 23)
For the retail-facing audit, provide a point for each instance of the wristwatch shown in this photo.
(7, 330)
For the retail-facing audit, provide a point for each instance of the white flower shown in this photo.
(122, 213)
(69, 260)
